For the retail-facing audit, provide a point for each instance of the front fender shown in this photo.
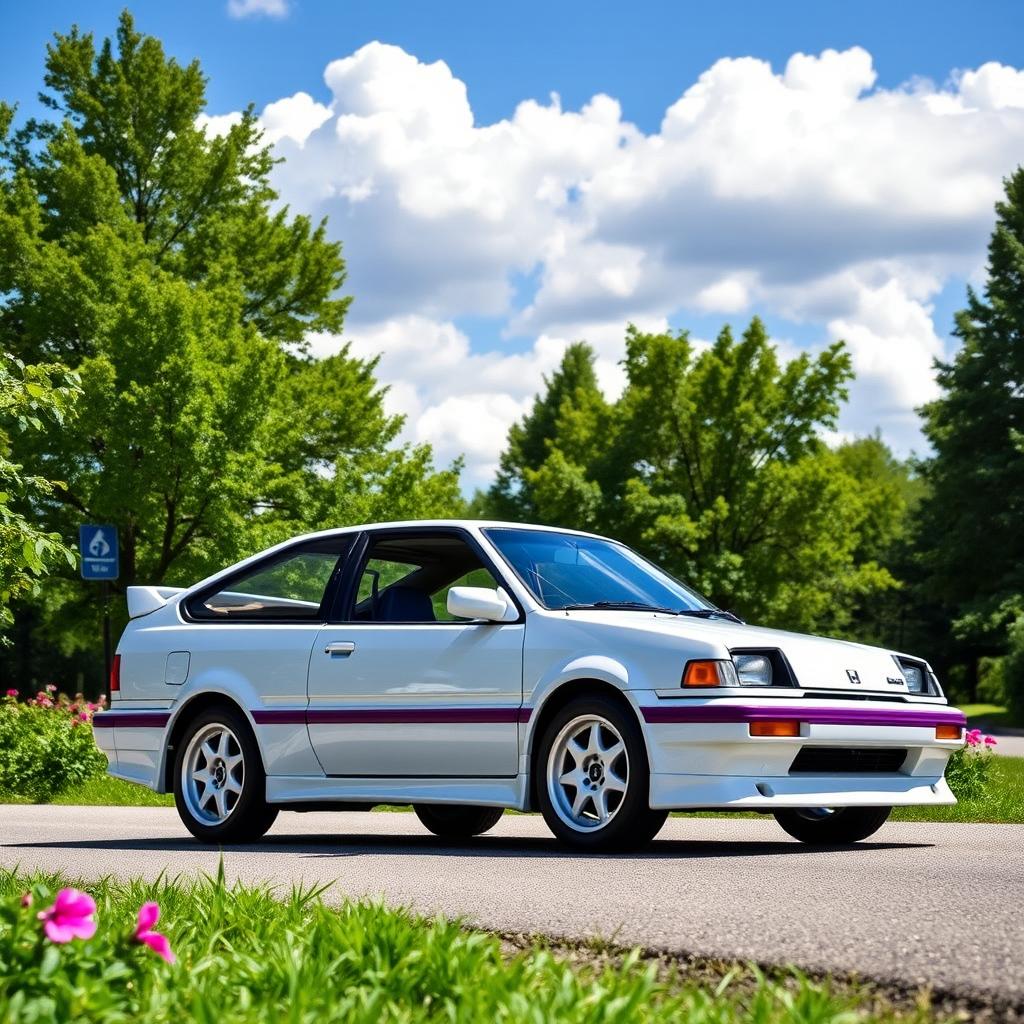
(589, 668)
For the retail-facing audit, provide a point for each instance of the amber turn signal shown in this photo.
(948, 732)
(702, 673)
(775, 727)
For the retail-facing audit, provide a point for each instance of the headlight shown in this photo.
(917, 682)
(753, 669)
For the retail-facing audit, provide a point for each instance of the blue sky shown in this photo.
(828, 166)
(638, 52)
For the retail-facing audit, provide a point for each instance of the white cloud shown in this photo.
(218, 124)
(992, 87)
(459, 401)
(258, 8)
(294, 117)
(808, 193)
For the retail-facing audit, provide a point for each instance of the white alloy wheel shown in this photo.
(587, 773)
(213, 774)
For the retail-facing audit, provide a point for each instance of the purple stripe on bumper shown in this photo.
(728, 713)
(130, 719)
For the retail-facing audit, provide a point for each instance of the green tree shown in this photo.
(155, 260)
(969, 529)
(711, 463)
(29, 396)
(538, 473)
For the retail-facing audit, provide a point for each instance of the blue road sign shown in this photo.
(98, 545)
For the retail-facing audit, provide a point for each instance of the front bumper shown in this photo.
(702, 754)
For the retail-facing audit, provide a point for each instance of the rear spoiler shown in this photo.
(143, 600)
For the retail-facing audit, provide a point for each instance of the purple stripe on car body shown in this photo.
(285, 716)
(130, 719)
(333, 716)
(733, 713)
(414, 716)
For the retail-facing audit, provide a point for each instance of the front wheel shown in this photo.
(594, 779)
(825, 826)
(457, 821)
(219, 782)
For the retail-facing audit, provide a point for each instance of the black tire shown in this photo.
(839, 827)
(248, 816)
(457, 821)
(632, 823)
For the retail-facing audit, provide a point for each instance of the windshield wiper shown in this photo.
(639, 606)
(711, 613)
(628, 606)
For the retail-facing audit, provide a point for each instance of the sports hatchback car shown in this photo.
(466, 667)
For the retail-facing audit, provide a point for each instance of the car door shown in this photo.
(397, 687)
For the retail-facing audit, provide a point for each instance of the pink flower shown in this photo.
(990, 741)
(50, 688)
(12, 693)
(72, 916)
(26, 900)
(83, 716)
(973, 737)
(149, 913)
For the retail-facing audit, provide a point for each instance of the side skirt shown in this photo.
(511, 792)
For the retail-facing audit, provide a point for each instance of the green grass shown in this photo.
(249, 954)
(989, 716)
(1003, 804)
(103, 791)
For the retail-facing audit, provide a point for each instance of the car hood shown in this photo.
(817, 662)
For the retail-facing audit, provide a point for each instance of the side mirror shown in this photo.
(481, 603)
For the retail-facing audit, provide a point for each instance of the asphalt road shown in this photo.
(929, 904)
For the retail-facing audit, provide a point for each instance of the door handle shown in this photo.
(340, 647)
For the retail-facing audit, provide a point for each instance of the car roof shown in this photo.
(461, 523)
(361, 527)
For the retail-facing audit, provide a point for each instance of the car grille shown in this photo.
(848, 760)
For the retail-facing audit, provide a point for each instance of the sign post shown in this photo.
(101, 561)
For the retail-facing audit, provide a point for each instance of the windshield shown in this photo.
(564, 570)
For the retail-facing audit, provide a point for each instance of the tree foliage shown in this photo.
(154, 259)
(30, 397)
(711, 463)
(970, 527)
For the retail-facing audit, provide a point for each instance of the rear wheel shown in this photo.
(457, 821)
(593, 777)
(826, 826)
(219, 782)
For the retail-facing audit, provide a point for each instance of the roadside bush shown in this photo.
(969, 772)
(1013, 670)
(46, 744)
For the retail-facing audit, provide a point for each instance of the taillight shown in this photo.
(115, 674)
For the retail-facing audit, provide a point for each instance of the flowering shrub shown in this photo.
(46, 744)
(969, 771)
(67, 962)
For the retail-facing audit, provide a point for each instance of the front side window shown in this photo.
(406, 578)
(564, 570)
(290, 588)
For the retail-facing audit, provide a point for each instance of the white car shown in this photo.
(466, 667)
